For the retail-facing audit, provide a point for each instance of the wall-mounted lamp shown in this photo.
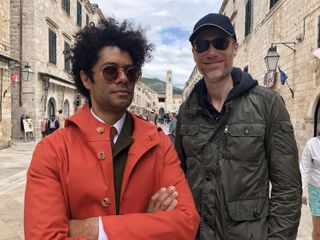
(27, 73)
(272, 56)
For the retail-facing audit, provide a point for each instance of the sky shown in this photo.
(168, 25)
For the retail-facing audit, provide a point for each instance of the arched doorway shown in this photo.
(66, 108)
(317, 119)
(51, 107)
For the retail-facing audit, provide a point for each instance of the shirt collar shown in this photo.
(118, 125)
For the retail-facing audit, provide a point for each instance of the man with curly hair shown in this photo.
(108, 174)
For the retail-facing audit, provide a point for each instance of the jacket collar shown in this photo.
(145, 135)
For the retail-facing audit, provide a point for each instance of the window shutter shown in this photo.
(68, 6)
(52, 47)
(66, 56)
(79, 14)
(248, 18)
(319, 32)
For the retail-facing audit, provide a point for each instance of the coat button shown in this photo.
(246, 132)
(101, 155)
(100, 130)
(105, 202)
(256, 212)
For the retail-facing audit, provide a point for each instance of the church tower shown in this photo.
(169, 91)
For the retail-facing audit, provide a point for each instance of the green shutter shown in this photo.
(66, 56)
(52, 47)
(79, 14)
(68, 6)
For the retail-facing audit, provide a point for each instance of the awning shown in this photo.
(68, 85)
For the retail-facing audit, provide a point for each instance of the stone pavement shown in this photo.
(14, 162)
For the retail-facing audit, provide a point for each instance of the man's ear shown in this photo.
(85, 80)
(235, 49)
(194, 54)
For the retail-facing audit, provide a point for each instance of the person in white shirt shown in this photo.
(310, 173)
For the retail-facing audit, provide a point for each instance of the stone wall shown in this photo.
(5, 103)
(50, 81)
(286, 21)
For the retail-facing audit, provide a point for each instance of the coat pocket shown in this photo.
(249, 137)
(248, 209)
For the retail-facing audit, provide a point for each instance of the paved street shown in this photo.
(13, 164)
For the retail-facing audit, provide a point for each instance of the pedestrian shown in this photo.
(233, 137)
(22, 132)
(108, 173)
(52, 125)
(155, 119)
(310, 173)
(172, 126)
(61, 118)
(172, 122)
(43, 124)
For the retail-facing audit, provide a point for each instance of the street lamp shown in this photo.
(272, 58)
(27, 73)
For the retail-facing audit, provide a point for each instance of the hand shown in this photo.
(163, 200)
(304, 200)
(88, 228)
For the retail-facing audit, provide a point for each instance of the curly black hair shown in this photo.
(90, 40)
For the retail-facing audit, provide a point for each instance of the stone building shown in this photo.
(172, 102)
(42, 33)
(293, 27)
(145, 100)
(5, 77)
(193, 79)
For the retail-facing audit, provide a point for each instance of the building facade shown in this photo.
(145, 100)
(5, 81)
(43, 32)
(193, 79)
(293, 27)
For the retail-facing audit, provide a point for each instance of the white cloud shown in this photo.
(159, 18)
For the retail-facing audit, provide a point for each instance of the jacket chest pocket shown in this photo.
(244, 141)
(194, 139)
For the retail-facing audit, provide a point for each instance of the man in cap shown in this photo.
(233, 138)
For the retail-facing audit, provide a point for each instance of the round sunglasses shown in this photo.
(111, 72)
(202, 45)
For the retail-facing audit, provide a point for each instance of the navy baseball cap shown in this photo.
(213, 20)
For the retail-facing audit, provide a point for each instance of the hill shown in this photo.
(159, 86)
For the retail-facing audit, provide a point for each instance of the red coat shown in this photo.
(71, 177)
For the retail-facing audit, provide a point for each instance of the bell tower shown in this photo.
(169, 91)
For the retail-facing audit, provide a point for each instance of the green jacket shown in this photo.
(229, 163)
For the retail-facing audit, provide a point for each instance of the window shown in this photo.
(51, 107)
(248, 18)
(79, 14)
(273, 2)
(1, 86)
(66, 108)
(52, 47)
(317, 119)
(87, 20)
(319, 33)
(66, 53)
(246, 68)
(66, 5)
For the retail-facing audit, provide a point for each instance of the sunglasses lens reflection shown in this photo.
(133, 74)
(218, 43)
(111, 73)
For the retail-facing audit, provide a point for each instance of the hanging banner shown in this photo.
(269, 78)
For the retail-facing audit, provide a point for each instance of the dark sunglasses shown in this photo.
(201, 45)
(111, 72)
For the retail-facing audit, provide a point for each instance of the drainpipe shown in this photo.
(20, 52)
